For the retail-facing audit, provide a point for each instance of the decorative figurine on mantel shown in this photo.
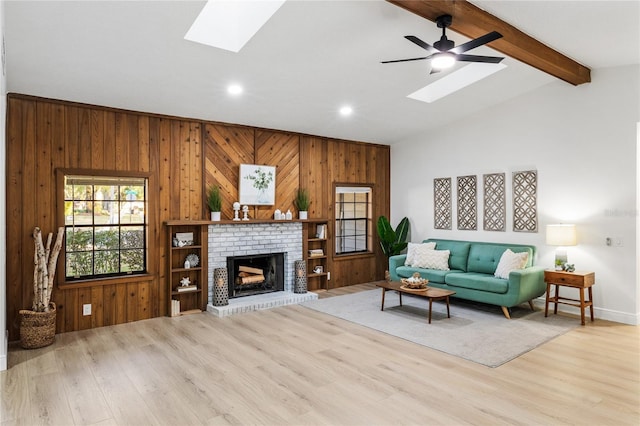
(245, 212)
(236, 209)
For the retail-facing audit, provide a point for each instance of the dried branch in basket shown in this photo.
(44, 260)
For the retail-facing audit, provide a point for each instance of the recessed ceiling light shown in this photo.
(235, 89)
(346, 111)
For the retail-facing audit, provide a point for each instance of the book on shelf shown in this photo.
(175, 308)
(186, 288)
(316, 252)
(321, 231)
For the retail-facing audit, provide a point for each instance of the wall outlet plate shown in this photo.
(86, 309)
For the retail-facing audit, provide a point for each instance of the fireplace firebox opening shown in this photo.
(255, 274)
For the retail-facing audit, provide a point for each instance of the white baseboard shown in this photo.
(598, 313)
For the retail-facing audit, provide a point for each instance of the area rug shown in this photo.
(475, 331)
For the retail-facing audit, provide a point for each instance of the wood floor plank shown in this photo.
(294, 365)
(85, 396)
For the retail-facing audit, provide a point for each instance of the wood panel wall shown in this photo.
(183, 157)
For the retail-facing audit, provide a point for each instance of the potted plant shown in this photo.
(392, 241)
(38, 325)
(214, 201)
(302, 203)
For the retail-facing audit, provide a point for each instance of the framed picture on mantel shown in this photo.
(257, 186)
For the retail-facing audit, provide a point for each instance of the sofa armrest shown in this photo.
(526, 284)
(394, 262)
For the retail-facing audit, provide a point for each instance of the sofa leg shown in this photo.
(531, 305)
(505, 311)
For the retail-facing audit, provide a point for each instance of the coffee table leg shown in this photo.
(400, 294)
(382, 305)
(430, 304)
(448, 314)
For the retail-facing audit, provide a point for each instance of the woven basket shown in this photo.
(37, 329)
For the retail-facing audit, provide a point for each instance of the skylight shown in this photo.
(230, 24)
(455, 81)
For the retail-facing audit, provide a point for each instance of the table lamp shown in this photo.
(561, 235)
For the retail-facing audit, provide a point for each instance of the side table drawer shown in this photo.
(574, 279)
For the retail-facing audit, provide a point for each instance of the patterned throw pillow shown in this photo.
(432, 259)
(414, 248)
(510, 261)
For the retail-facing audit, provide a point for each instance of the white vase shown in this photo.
(302, 215)
(215, 216)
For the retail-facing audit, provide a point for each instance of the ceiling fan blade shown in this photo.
(425, 46)
(487, 38)
(405, 60)
(476, 58)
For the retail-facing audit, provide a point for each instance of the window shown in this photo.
(105, 222)
(353, 220)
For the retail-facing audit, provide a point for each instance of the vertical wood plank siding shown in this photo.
(183, 157)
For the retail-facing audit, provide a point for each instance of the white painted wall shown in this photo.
(581, 140)
(3, 216)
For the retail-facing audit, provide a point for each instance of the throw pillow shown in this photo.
(432, 259)
(510, 261)
(413, 248)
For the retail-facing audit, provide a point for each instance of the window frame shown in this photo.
(369, 220)
(67, 282)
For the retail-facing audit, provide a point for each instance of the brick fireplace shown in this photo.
(256, 238)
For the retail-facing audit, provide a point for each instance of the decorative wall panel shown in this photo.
(495, 202)
(525, 204)
(467, 203)
(442, 203)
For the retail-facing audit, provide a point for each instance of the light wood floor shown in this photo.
(293, 365)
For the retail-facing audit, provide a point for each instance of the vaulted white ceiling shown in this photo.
(308, 60)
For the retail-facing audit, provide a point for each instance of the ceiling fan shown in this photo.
(444, 54)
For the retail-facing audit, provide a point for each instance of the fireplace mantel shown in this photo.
(250, 221)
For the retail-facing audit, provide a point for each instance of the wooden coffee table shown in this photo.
(430, 293)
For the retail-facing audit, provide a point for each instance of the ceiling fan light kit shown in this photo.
(443, 60)
(444, 53)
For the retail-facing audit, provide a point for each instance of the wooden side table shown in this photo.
(579, 280)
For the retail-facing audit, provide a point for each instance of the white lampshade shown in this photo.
(561, 235)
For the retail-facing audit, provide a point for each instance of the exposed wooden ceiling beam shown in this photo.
(471, 21)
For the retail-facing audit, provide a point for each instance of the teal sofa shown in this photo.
(472, 266)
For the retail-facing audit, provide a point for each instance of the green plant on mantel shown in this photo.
(214, 199)
(392, 241)
(302, 201)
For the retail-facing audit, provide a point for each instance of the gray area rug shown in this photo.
(476, 332)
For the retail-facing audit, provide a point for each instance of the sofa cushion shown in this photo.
(459, 252)
(432, 259)
(510, 261)
(477, 281)
(417, 248)
(484, 258)
(433, 275)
